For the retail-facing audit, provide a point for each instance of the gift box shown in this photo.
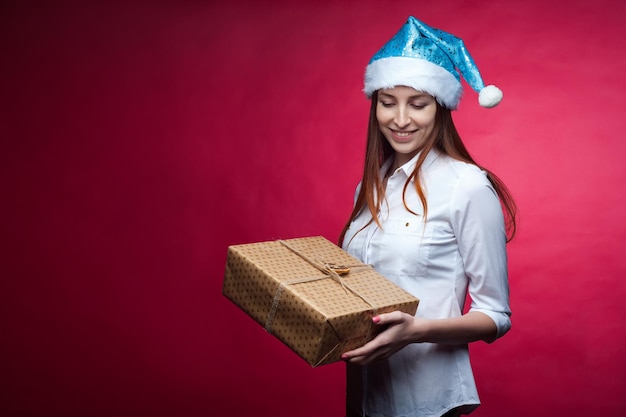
(312, 295)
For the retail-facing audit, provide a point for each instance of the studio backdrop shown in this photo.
(138, 140)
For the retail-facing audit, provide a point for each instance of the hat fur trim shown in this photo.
(417, 73)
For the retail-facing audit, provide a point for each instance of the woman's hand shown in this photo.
(400, 329)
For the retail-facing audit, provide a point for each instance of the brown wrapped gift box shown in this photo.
(292, 288)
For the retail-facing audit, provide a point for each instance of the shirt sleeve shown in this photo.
(478, 223)
(356, 193)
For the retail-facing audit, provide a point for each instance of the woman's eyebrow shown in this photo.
(416, 96)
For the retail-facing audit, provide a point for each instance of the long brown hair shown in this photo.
(445, 139)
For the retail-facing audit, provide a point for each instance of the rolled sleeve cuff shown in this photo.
(501, 319)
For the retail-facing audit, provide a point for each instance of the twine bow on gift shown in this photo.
(333, 270)
(330, 270)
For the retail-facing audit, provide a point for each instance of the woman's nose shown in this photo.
(401, 119)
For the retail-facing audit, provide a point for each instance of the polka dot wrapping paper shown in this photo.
(312, 295)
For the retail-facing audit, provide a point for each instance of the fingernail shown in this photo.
(375, 319)
(344, 357)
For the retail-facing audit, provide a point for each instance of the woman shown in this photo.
(430, 219)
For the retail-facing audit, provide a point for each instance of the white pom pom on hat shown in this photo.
(490, 96)
(430, 60)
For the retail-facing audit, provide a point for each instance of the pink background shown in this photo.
(139, 140)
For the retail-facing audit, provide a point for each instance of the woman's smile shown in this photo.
(402, 135)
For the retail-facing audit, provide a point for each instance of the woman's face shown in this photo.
(406, 117)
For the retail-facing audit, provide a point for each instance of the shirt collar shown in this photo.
(408, 167)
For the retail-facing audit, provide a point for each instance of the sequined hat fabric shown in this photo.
(428, 60)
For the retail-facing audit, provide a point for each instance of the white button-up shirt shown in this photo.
(459, 249)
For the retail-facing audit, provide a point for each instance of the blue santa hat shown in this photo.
(428, 60)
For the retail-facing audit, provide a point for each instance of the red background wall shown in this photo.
(139, 140)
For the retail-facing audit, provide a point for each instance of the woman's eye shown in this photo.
(386, 104)
(418, 106)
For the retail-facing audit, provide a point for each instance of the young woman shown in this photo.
(431, 220)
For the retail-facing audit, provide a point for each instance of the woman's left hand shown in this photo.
(400, 329)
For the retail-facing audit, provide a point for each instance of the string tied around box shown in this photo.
(330, 270)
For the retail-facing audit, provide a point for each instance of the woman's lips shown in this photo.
(402, 135)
